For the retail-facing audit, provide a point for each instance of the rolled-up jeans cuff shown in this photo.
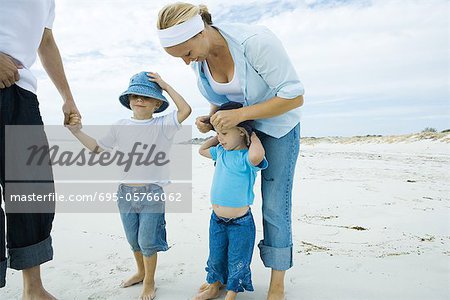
(30, 256)
(3, 265)
(279, 259)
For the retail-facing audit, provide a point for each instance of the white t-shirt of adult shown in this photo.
(126, 133)
(22, 26)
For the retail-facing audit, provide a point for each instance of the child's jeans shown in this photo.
(231, 243)
(143, 217)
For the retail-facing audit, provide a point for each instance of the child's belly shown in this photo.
(229, 212)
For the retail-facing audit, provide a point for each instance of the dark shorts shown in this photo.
(28, 234)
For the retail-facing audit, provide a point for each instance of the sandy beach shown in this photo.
(371, 220)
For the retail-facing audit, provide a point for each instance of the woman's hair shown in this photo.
(179, 12)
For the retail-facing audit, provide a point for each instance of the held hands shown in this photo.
(69, 108)
(9, 71)
(74, 123)
(155, 77)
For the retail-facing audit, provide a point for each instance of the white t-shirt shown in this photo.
(126, 133)
(232, 90)
(22, 26)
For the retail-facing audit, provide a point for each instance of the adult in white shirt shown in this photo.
(25, 31)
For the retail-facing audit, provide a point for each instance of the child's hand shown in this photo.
(155, 77)
(256, 150)
(74, 123)
(254, 137)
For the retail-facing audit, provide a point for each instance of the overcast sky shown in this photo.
(368, 67)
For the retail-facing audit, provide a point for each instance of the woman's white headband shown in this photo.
(180, 33)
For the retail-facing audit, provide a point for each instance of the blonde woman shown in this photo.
(246, 64)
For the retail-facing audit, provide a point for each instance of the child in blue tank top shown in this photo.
(238, 156)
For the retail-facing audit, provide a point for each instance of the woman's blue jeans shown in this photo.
(276, 188)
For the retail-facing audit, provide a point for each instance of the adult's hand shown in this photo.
(74, 123)
(70, 109)
(203, 124)
(9, 71)
(225, 119)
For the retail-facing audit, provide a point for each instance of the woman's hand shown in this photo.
(155, 77)
(203, 124)
(225, 119)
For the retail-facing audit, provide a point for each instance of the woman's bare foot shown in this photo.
(211, 291)
(135, 279)
(276, 288)
(149, 291)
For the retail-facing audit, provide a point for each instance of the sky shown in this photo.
(368, 66)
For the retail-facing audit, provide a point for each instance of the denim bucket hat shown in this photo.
(140, 85)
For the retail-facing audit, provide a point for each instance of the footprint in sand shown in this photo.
(180, 269)
(103, 295)
(123, 269)
(112, 256)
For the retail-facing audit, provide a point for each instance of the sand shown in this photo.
(371, 220)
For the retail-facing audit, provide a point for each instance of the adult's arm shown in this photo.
(266, 54)
(271, 108)
(52, 63)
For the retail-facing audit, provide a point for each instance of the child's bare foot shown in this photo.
(205, 286)
(149, 291)
(211, 291)
(230, 295)
(135, 279)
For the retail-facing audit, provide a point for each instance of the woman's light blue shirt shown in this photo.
(265, 71)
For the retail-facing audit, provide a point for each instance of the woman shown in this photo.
(246, 64)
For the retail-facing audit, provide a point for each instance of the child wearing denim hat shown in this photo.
(238, 155)
(143, 221)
